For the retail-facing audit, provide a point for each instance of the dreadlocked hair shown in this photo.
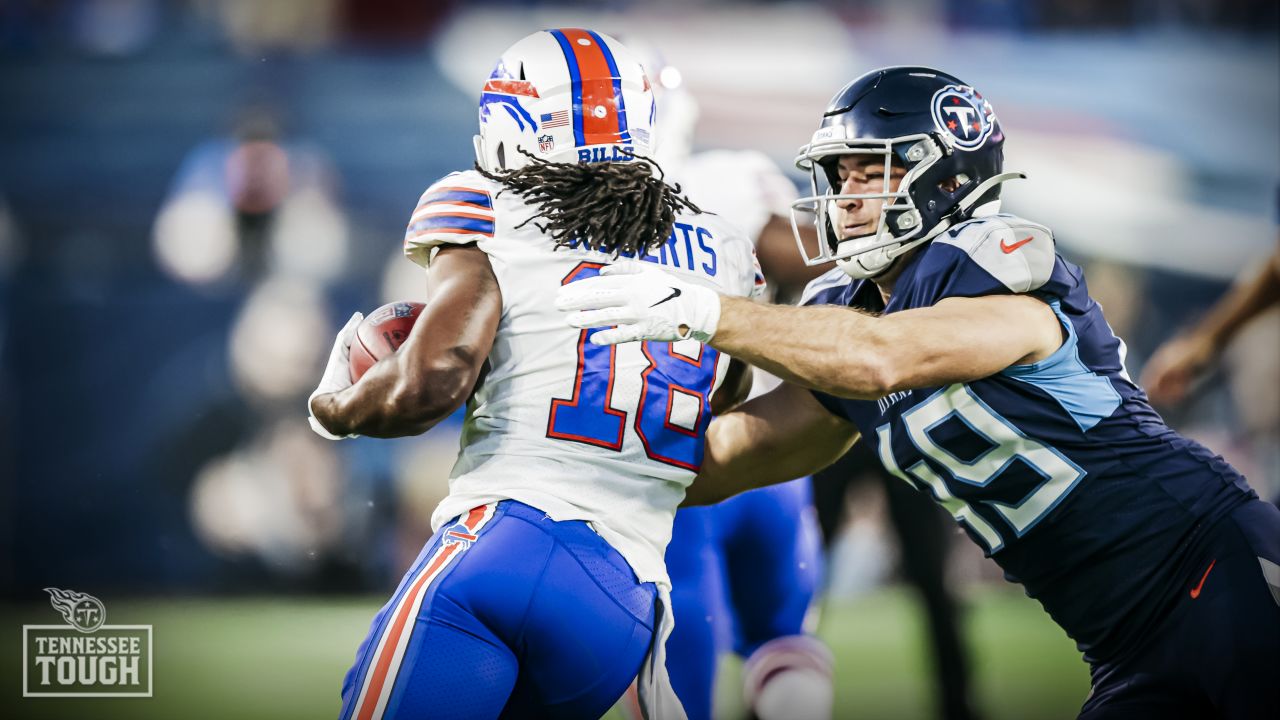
(611, 207)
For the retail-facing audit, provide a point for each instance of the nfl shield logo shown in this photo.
(546, 143)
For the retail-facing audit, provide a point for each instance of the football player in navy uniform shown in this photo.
(972, 358)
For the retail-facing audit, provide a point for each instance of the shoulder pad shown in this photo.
(827, 288)
(1017, 252)
(456, 210)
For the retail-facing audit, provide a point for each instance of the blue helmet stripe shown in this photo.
(575, 75)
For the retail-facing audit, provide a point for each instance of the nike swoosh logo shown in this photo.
(1010, 248)
(1195, 591)
(675, 292)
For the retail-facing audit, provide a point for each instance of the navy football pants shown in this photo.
(1217, 652)
(505, 614)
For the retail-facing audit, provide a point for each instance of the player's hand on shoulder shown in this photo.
(643, 301)
(337, 373)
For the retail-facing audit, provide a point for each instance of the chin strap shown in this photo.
(972, 198)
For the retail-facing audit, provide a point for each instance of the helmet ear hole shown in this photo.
(502, 155)
(952, 184)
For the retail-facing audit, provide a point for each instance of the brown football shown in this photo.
(381, 333)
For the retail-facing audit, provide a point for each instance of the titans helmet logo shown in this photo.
(961, 113)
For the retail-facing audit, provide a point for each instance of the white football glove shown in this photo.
(644, 301)
(337, 374)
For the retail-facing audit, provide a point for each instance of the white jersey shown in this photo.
(612, 436)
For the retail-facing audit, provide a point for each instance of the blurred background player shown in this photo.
(255, 204)
(1176, 366)
(1182, 360)
(253, 215)
(745, 572)
(543, 592)
(925, 538)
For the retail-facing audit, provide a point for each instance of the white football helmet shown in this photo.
(565, 95)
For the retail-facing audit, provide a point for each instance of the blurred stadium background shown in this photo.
(194, 194)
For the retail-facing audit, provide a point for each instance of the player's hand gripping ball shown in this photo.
(381, 334)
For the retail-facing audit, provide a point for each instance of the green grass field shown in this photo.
(284, 658)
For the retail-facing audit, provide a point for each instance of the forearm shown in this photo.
(435, 370)
(779, 436)
(728, 471)
(386, 404)
(833, 349)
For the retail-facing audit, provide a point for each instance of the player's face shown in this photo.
(859, 175)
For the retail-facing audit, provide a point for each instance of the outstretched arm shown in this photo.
(848, 353)
(434, 371)
(837, 350)
(779, 436)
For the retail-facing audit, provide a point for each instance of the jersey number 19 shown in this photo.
(1006, 444)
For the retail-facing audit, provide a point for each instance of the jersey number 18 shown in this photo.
(589, 416)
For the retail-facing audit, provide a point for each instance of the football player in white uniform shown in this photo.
(543, 591)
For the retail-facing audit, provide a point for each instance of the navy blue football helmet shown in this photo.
(940, 130)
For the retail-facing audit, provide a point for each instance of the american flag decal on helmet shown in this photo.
(559, 118)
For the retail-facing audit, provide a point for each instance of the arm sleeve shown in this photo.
(456, 210)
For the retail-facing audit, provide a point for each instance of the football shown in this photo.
(381, 333)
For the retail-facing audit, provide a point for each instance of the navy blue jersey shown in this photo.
(1059, 469)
